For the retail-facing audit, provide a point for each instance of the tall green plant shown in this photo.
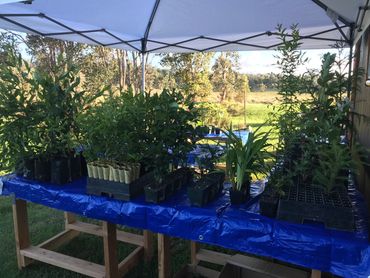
(20, 110)
(39, 111)
(246, 159)
(290, 84)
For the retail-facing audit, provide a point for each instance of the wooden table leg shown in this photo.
(21, 232)
(194, 248)
(69, 218)
(164, 252)
(148, 245)
(110, 250)
(315, 273)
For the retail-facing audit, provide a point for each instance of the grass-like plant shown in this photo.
(244, 159)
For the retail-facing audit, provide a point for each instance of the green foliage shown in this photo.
(61, 101)
(152, 129)
(269, 81)
(224, 76)
(207, 163)
(19, 110)
(38, 110)
(213, 114)
(246, 159)
(310, 131)
(334, 161)
(190, 72)
(286, 117)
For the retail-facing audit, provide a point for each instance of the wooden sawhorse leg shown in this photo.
(21, 232)
(148, 245)
(26, 253)
(164, 253)
(110, 250)
(194, 248)
(315, 273)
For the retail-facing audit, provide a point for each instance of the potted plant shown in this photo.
(209, 181)
(244, 160)
(269, 199)
(62, 101)
(20, 115)
(160, 187)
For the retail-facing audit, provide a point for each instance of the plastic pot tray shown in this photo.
(302, 204)
(118, 190)
(206, 189)
(172, 183)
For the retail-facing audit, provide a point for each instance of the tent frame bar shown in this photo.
(326, 8)
(145, 40)
(147, 30)
(364, 10)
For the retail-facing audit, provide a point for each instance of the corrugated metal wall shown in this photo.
(361, 100)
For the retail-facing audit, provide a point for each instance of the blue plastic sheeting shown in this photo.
(242, 133)
(240, 228)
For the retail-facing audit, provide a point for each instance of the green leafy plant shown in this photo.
(20, 111)
(246, 159)
(39, 111)
(334, 164)
(61, 101)
(155, 130)
(207, 162)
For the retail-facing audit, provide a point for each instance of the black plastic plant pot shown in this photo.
(177, 183)
(186, 175)
(198, 195)
(26, 168)
(42, 169)
(269, 205)
(59, 171)
(219, 178)
(169, 188)
(83, 166)
(75, 166)
(237, 197)
(155, 193)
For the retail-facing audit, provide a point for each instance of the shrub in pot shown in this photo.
(244, 160)
(20, 115)
(209, 182)
(269, 199)
(62, 101)
(42, 168)
(160, 188)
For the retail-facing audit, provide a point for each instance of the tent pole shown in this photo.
(349, 88)
(143, 72)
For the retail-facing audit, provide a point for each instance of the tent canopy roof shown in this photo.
(187, 25)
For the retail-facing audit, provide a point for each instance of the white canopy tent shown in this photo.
(161, 26)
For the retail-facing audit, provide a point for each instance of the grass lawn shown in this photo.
(45, 222)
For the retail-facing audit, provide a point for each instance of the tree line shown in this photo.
(202, 74)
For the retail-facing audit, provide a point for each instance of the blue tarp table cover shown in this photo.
(242, 133)
(240, 228)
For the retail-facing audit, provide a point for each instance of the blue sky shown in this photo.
(254, 62)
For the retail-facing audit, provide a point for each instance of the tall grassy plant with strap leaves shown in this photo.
(244, 159)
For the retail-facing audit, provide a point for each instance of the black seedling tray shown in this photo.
(206, 189)
(118, 190)
(172, 183)
(307, 203)
(269, 202)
